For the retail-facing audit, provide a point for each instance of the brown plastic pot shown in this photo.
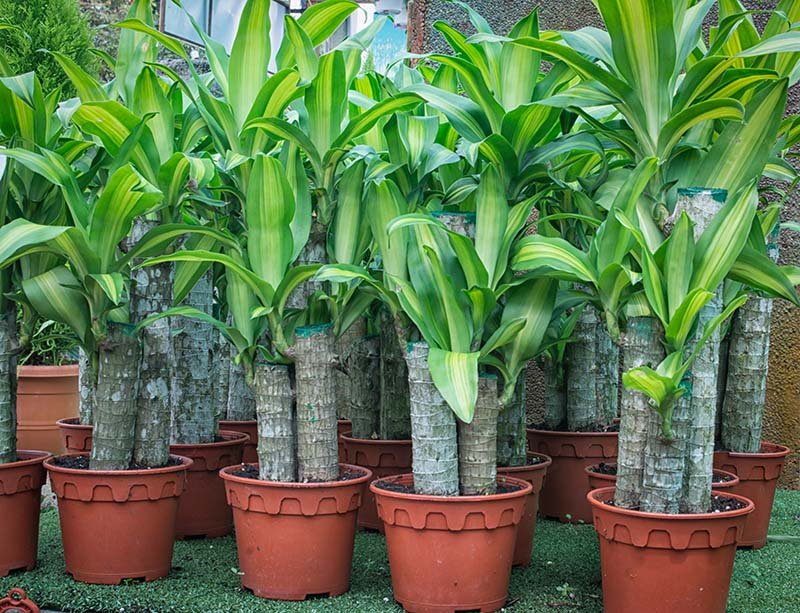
(45, 394)
(20, 499)
(118, 524)
(250, 428)
(564, 494)
(600, 480)
(77, 437)
(203, 509)
(758, 478)
(343, 427)
(450, 553)
(535, 475)
(665, 563)
(383, 459)
(295, 540)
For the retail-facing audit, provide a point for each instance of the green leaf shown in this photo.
(386, 203)
(21, 234)
(54, 295)
(679, 263)
(541, 252)
(326, 100)
(455, 375)
(347, 232)
(250, 56)
(88, 88)
(111, 284)
(503, 335)
(491, 222)
(683, 320)
(466, 117)
(319, 21)
(757, 270)
(293, 279)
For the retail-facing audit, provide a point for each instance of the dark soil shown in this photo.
(74, 421)
(531, 461)
(562, 427)
(605, 469)
(250, 471)
(717, 478)
(401, 488)
(81, 462)
(719, 504)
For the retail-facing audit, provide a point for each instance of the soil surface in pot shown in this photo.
(611, 469)
(719, 504)
(81, 462)
(562, 427)
(248, 471)
(400, 488)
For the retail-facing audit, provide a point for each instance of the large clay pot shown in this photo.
(535, 475)
(723, 480)
(250, 428)
(295, 540)
(383, 459)
(76, 437)
(45, 394)
(665, 563)
(758, 478)
(118, 524)
(203, 510)
(343, 427)
(20, 499)
(449, 554)
(564, 494)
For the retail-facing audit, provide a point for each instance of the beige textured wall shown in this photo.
(782, 424)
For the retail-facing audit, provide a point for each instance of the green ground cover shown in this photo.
(564, 576)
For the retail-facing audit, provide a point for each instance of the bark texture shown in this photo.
(640, 347)
(8, 384)
(222, 377)
(512, 438)
(277, 439)
(395, 418)
(477, 443)
(241, 399)
(346, 351)
(433, 429)
(115, 401)
(193, 412)
(317, 445)
(555, 396)
(592, 364)
(87, 385)
(315, 252)
(364, 389)
(664, 461)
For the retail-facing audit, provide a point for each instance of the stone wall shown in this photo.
(782, 423)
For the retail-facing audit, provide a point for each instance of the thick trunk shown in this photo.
(8, 384)
(477, 443)
(193, 412)
(664, 462)
(433, 429)
(277, 440)
(87, 385)
(317, 445)
(315, 252)
(395, 419)
(640, 346)
(345, 350)
(115, 400)
(241, 399)
(555, 396)
(151, 292)
(592, 364)
(364, 390)
(746, 387)
(512, 439)
(222, 376)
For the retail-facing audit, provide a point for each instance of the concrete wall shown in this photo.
(782, 423)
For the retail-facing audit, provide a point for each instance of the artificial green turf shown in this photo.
(564, 575)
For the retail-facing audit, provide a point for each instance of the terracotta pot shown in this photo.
(76, 437)
(203, 510)
(535, 475)
(449, 554)
(45, 394)
(250, 428)
(343, 427)
(758, 478)
(599, 480)
(20, 499)
(564, 494)
(665, 563)
(118, 524)
(383, 459)
(295, 540)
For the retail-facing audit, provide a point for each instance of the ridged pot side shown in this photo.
(77, 437)
(118, 525)
(758, 479)
(45, 394)
(295, 540)
(665, 563)
(20, 500)
(450, 553)
(248, 427)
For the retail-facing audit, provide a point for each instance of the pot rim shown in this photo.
(376, 441)
(588, 470)
(730, 483)
(781, 451)
(568, 433)
(51, 467)
(526, 489)
(239, 421)
(233, 439)
(594, 495)
(36, 457)
(518, 469)
(65, 422)
(225, 473)
(46, 371)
